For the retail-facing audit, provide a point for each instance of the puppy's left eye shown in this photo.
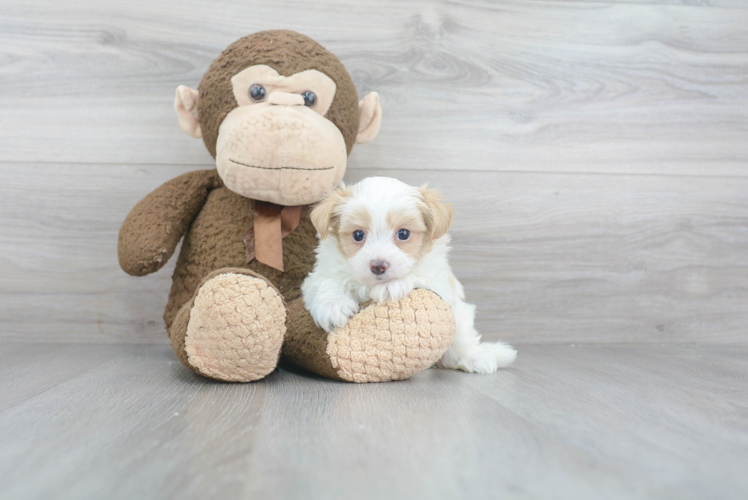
(403, 234)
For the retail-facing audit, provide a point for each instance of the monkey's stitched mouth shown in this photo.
(279, 168)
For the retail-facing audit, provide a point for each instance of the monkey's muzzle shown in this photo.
(288, 155)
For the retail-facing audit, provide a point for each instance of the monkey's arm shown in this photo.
(154, 226)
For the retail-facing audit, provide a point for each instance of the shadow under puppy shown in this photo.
(380, 239)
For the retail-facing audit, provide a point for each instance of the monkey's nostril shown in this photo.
(378, 266)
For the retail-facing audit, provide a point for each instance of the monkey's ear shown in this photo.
(185, 104)
(371, 118)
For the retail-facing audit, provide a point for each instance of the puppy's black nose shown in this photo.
(378, 266)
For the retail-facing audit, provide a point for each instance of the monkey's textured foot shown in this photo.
(235, 326)
(392, 341)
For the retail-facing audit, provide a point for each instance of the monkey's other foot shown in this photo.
(235, 328)
(392, 341)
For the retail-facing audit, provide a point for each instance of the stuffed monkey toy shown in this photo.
(280, 114)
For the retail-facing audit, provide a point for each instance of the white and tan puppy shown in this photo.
(379, 239)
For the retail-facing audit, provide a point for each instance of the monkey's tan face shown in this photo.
(277, 146)
(282, 139)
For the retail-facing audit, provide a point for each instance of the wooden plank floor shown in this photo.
(567, 421)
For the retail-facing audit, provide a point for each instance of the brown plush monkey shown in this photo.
(280, 115)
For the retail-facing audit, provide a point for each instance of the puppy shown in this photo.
(379, 239)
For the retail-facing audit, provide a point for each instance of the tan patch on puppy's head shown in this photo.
(436, 215)
(413, 220)
(326, 216)
(356, 219)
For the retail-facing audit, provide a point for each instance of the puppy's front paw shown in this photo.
(392, 291)
(330, 315)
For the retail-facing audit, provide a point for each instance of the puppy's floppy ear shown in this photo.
(437, 215)
(326, 214)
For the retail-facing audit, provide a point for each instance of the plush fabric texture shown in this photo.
(381, 343)
(233, 328)
(306, 346)
(370, 115)
(150, 233)
(285, 87)
(236, 328)
(392, 341)
(185, 104)
(288, 155)
(264, 240)
(215, 240)
(288, 53)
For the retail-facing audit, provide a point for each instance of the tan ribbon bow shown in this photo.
(263, 240)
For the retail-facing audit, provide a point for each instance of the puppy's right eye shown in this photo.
(358, 235)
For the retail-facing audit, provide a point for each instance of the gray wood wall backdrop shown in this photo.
(595, 153)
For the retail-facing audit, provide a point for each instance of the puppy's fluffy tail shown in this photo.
(504, 353)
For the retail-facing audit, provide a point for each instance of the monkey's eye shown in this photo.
(257, 92)
(358, 235)
(310, 98)
(403, 234)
